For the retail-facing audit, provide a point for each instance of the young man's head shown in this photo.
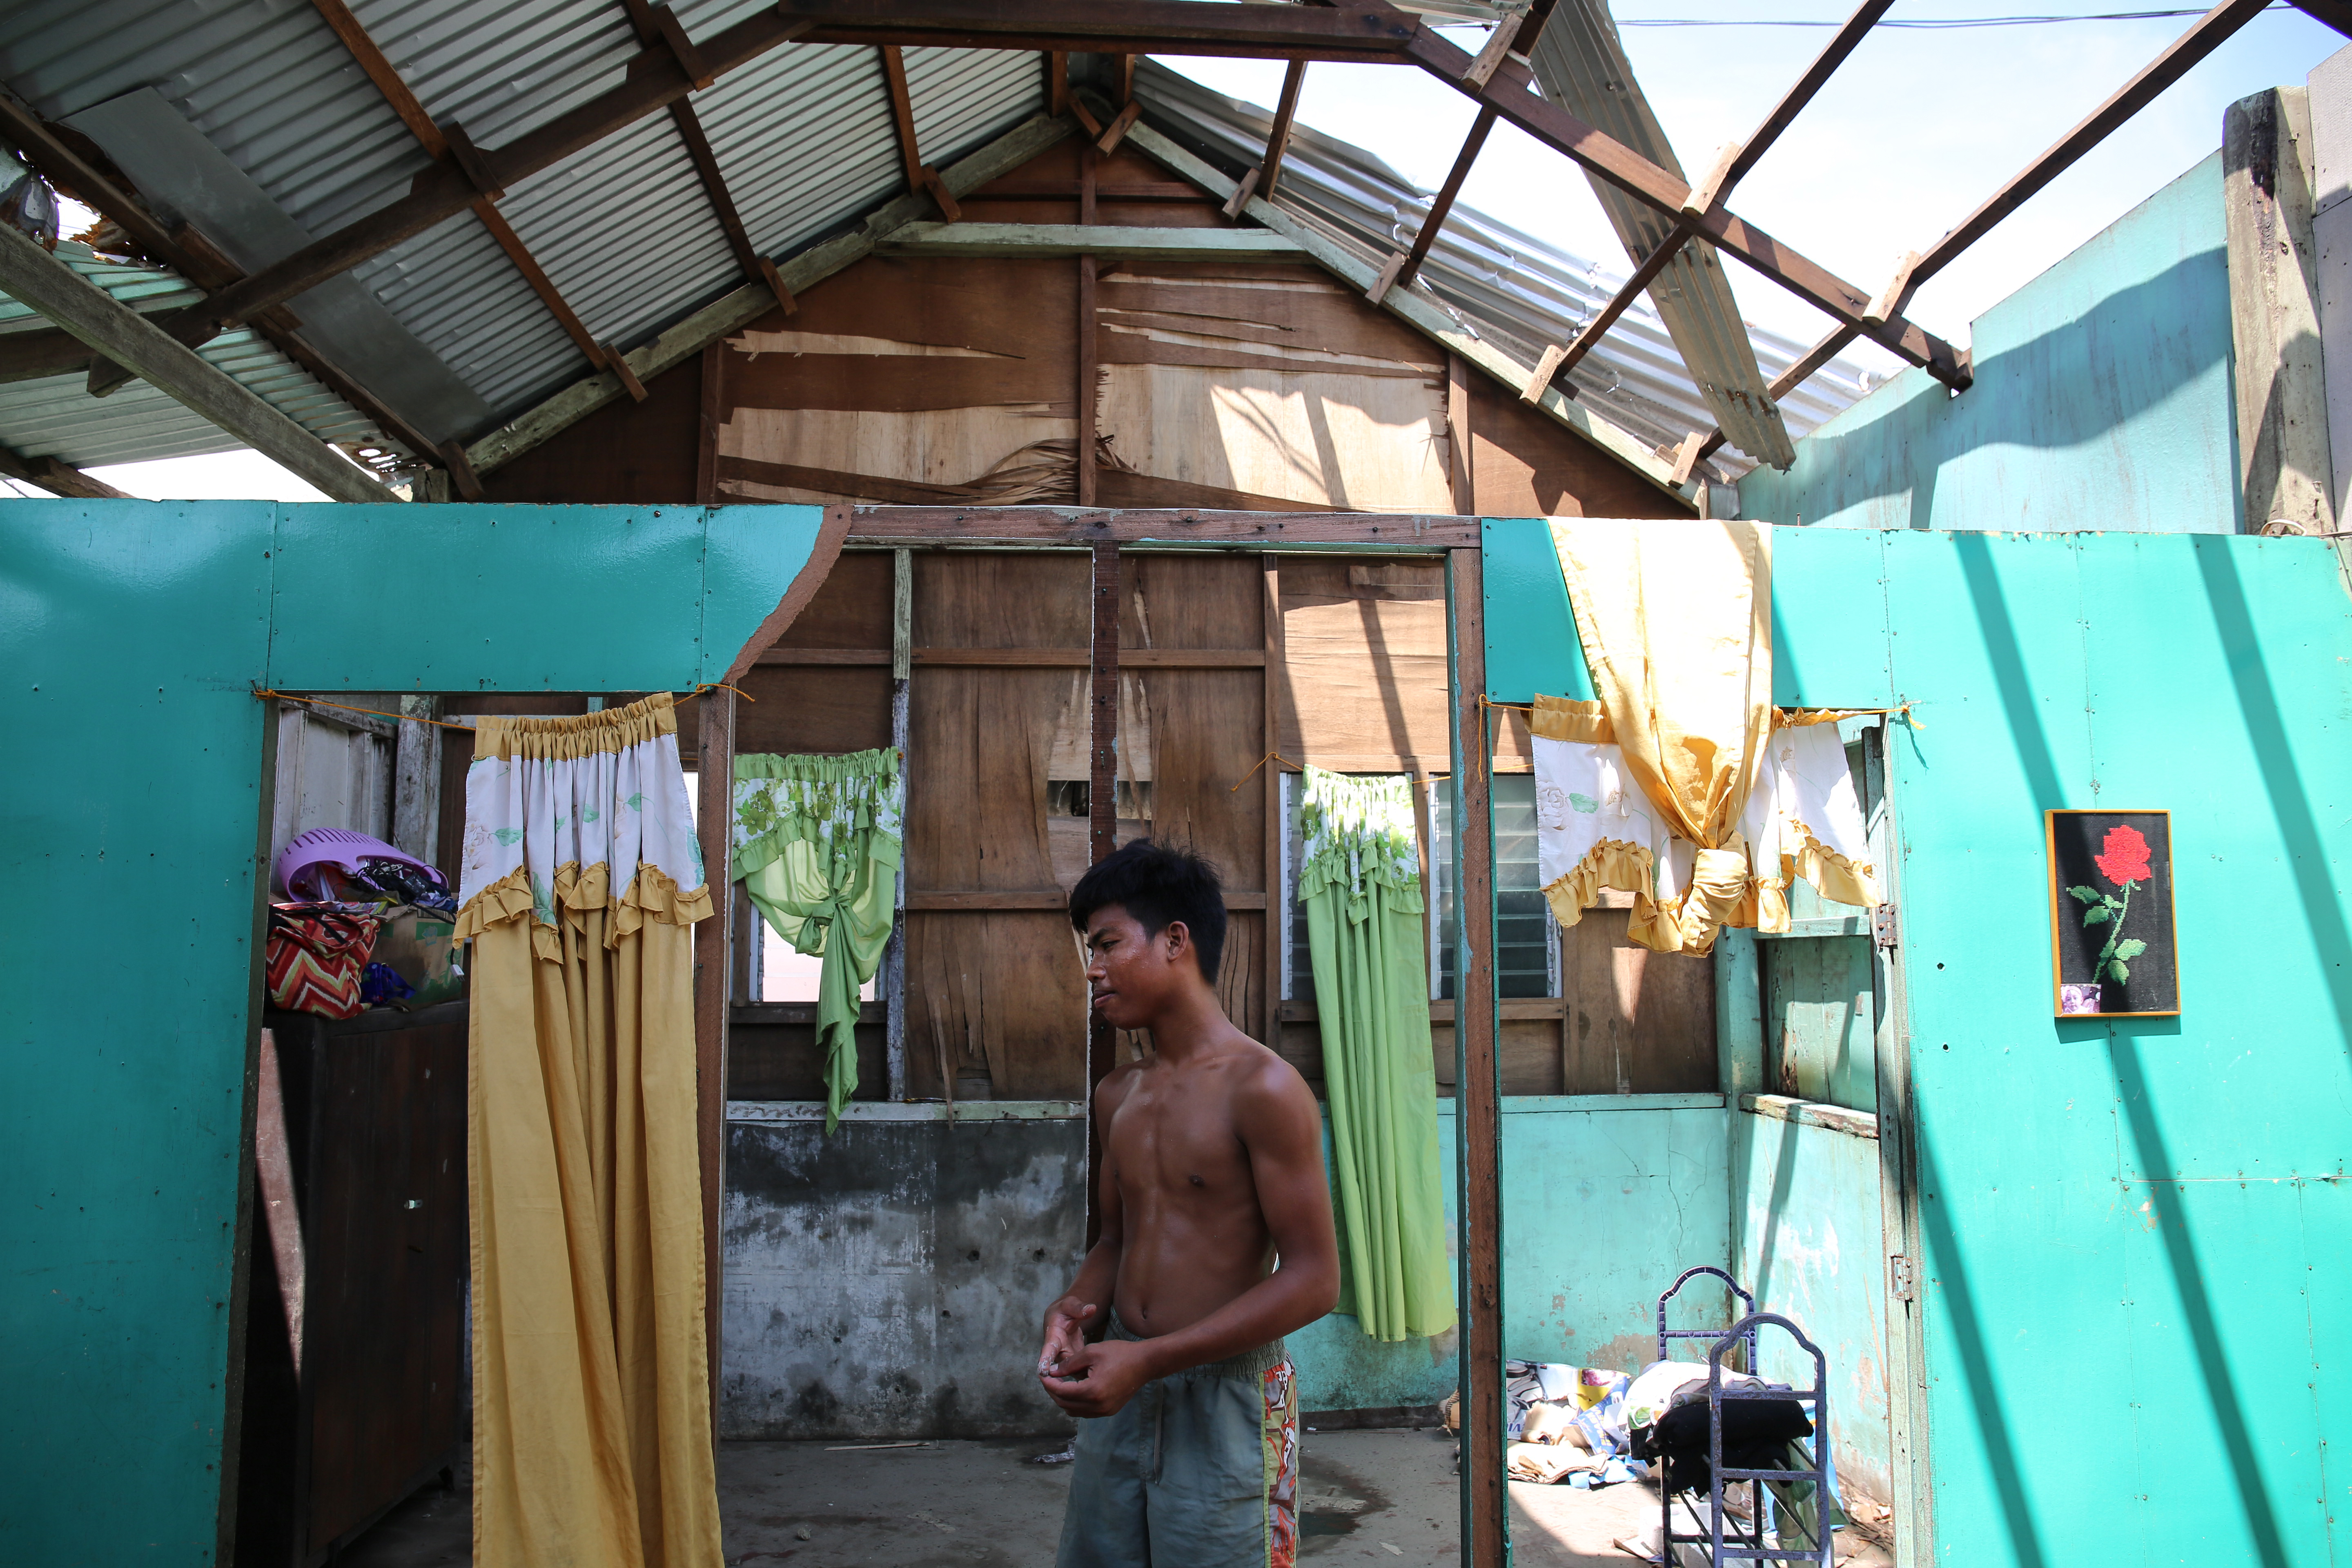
(1153, 919)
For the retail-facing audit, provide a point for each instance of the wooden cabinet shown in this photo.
(355, 1344)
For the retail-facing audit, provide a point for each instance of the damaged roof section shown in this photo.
(55, 417)
(1506, 287)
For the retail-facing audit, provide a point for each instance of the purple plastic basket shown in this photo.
(341, 847)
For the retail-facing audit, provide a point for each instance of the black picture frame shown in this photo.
(2113, 948)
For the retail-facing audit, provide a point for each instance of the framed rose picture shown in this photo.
(2113, 954)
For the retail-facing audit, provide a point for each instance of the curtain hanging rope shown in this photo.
(1269, 757)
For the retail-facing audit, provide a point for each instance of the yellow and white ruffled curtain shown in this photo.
(1681, 784)
(582, 881)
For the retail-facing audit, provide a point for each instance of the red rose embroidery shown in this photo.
(2125, 858)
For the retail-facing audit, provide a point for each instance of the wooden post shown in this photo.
(715, 766)
(714, 412)
(2284, 461)
(1277, 903)
(1462, 468)
(1102, 826)
(893, 957)
(1477, 1084)
(1090, 371)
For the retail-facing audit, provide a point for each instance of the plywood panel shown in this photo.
(1002, 993)
(1370, 443)
(1002, 599)
(1363, 686)
(625, 453)
(1523, 464)
(1528, 1055)
(850, 608)
(1638, 1022)
(1191, 602)
(977, 777)
(796, 709)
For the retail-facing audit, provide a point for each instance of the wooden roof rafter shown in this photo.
(27, 356)
(442, 143)
(2202, 36)
(920, 176)
(657, 28)
(1731, 165)
(1515, 32)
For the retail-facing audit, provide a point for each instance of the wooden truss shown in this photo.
(1498, 79)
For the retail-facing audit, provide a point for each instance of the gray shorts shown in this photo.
(1198, 1470)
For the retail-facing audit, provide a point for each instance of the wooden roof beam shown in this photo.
(920, 176)
(1382, 34)
(441, 143)
(1736, 158)
(1515, 33)
(33, 276)
(26, 356)
(2202, 38)
(2335, 13)
(650, 82)
(58, 479)
(1731, 165)
(1260, 181)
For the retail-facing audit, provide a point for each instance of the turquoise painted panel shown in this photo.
(1531, 642)
(551, 598)
(739, 555)
(1602, 1209)
(2206, 676)
(2103, 399)
(133, 634)
(1819, 659)
(1820, 1019)
(1829, 619)
(1807, 1241)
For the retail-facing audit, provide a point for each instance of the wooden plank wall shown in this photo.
(1262, 385)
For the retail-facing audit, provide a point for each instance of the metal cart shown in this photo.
(1726, 1547)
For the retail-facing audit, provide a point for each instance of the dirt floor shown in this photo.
(1376, 1496)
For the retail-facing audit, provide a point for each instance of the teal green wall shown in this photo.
(1806, 1240)
(1607, 1198)
(2137, 1234)
(2103, 399)
(132, 635)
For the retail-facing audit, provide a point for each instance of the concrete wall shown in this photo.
(856, 1309)
(2103, 399)
(134, 634)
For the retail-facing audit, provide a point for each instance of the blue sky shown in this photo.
(1918, 127)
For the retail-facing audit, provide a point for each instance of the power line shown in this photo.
(1929, 23)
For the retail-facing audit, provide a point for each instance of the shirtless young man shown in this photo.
(1212, 1167)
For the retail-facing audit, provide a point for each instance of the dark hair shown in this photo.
(1158, 885)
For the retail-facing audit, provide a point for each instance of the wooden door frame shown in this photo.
(1457, 540)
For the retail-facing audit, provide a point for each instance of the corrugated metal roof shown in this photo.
(1507, 286)
(57, 417)
(803, 136)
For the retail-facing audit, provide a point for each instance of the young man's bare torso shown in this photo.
(1212, 1173)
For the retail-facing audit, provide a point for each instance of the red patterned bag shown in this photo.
(316, 957)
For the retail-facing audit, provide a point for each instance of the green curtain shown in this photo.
(1359, 882)
(816, 846)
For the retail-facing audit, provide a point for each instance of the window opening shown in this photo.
(1819, 1000)
(1527, 943)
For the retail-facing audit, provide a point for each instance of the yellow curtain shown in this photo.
(582, 881)
(1675, 620)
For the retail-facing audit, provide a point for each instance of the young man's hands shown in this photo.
(1065, 1322)
(1100, 1378)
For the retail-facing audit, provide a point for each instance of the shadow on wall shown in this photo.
(2120, 416)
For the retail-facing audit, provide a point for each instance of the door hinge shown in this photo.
(1899, 1282)
(1882, 924)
